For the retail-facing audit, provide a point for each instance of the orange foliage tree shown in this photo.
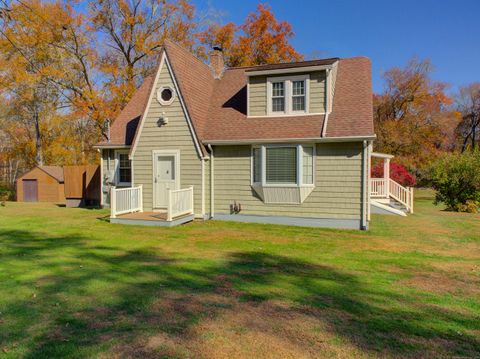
(413, 118)
(261, 39)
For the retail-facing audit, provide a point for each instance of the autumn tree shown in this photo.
(412, 117)
(467, 103)
(261, 39)
(27, 66)
(133, 32)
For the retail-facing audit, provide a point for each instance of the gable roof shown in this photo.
(217, 107)
(53, 171)
(123, 129)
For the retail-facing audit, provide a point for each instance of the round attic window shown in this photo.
(165, 95)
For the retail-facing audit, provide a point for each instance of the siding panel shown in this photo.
(337, 192)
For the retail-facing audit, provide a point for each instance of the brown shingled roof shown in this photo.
(54, 171)
(217, 108)
(123, 129)
(352, 109)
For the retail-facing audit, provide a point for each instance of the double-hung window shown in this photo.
(283, 165)
(287, 95)
(278, 96)
(124, 169)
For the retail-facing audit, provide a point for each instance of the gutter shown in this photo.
(100, 147)
(286, 140)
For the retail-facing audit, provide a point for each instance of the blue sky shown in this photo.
(388, 32)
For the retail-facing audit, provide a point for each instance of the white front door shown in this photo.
(163, 178)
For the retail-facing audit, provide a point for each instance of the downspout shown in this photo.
(203, 188)
(101, 176)
(327, 100)
(212, 186)
(363, 221)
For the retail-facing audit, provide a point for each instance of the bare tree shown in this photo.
(468, 104)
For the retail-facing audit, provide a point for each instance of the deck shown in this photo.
(151, 219)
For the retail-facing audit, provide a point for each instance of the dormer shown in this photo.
(292, 89)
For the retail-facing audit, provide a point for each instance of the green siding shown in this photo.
(337, 192)
(257, 92)
(175, 135)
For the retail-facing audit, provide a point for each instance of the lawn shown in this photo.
(74, 285)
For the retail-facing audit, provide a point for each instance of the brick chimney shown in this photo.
(217, 63)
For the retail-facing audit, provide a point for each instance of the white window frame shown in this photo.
(263, 168)
(288, 91)
(159, 95)
(117, 168)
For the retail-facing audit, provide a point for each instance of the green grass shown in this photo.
(73, 285)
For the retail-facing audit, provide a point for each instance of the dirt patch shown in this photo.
(441, 282)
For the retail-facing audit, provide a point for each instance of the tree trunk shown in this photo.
(38, 141)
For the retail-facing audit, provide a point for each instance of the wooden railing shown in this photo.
(125, 200)
(404, 195)
(378, 188)
(180, 202)
(388, 188)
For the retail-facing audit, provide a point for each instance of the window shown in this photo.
(282, 165)
(298, 96)
(165, 95)
(287, 95)
(278, 97)
(307, 165)
(124, 169)
(257, 170)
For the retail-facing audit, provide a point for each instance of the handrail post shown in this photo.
(112, 202)
(411, 199)
(169, 205)
(140, 200)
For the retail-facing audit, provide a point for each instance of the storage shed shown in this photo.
(42, 184)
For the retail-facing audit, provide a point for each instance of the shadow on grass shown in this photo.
(91, 299)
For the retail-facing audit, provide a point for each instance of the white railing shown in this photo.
(388, 188)
(378, 188)
(125, 200)
(404, 195)
(180, 202)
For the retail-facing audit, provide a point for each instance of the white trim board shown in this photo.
(290, 70)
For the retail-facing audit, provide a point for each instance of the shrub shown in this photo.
(397, 172)
(6, 193)
(456, 180)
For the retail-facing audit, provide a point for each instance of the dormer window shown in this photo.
(287, 95)
(278, 97)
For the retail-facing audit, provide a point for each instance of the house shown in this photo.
(41, 184)
(284, 143)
